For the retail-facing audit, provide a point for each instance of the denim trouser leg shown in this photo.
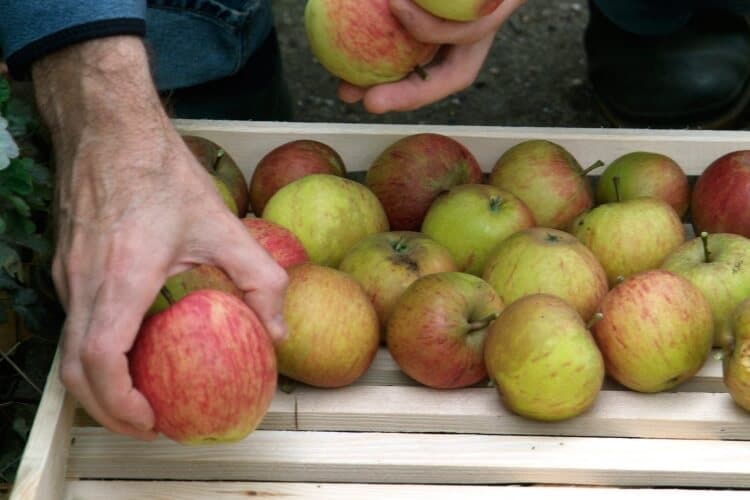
(660, 17)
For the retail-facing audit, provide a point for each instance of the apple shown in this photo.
(329, 215)
(222, 166)
(207, 367)
(543, 360)
(656, 331)
(630, 236)
(546, 177)
(412, 172)
(471, 219)
(645, 174)
(362, 42)
(437, 329)
(721, 197)
(289, 162)
(718, 265)
(333, 328)
(199, 277)
(544, 260)
(736, 355)
(226, 195)
(278, 241)
(459, 10)
(385, 264)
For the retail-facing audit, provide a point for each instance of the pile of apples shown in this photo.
(538, 278)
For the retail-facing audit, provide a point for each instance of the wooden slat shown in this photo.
(424, 458)
(41, 473)
(197, 490)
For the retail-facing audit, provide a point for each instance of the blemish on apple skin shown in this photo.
(737, 267)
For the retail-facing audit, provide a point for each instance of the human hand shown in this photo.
(465, 47)
(133, 207)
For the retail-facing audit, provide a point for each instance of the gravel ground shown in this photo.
(534, 76)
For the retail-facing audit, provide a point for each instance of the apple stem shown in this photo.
(594, 166)
(167, 295)
(219, 154)
(596, 318)
(706, 251)
(483, 323)
(616, 182)
(420, 71)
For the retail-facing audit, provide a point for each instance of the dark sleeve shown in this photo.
(30, 29)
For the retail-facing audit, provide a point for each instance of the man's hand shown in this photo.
(133, 207)
(466, 45)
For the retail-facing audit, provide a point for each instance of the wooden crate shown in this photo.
(387, 437)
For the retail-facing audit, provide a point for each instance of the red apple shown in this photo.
(410, 174)
(333, 328)
(656, 331)
(207, 367)
(721, 196)
(278, 241)
(287, 163)
(437, 329)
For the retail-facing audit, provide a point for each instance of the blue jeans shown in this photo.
(661, 17)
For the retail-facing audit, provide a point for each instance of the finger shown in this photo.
(256, 273)
(349, 93)
(454, 73)
(430, 29)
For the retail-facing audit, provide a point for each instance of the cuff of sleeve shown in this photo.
(20, 61)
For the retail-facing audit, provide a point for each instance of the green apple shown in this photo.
(471, 219)
(655, 332)
(719, 265)
(459, 10)
(645, 174)
(225, 194)
(542, 260)
(543, 360)
(328, 213)
(362, 42)
(736, 360)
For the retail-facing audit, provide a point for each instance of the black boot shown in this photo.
(698, 77)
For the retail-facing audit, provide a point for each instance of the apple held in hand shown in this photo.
(546, 177)
(289, 162)
(656, 331)
(543, 360)
(459, 10)
(285, 248)
(437, 329)
(410, 174)
(719, 265)
(385, 264)
(645, 175)
(471, 219)
(721, 197)
(333, 328)
(736, 359)
(541, 260)
(207, 367)
(362, 42)
(329, 215)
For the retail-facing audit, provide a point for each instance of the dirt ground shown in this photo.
(534, 76)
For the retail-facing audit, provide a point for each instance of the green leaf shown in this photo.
(21, 118)
(8, 147)
(8, 258)
(20, 205)
(3, 225)
(4, 90)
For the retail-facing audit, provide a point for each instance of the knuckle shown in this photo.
(94, 351)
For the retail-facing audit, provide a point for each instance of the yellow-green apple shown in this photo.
(720, 202)
(543, 360)
(333, 328)
(207, 367)
(655, 331)
(410, 174)
(459, 10)
(437, 329)
(630, 236)
(471, 219)
(226, 196)
(222, 166)
(546, 177)
(198, 277)
(544, 260)
(385, 264)
(645, 174)
(329, 214)
(289, 162)
(736, 355)
(282, 244)
(362, 42)
(719, 265)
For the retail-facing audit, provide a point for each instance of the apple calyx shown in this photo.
(594, 320)
(483, 323)
(164, 292)
(496, 202)
(399, 246)
(594, 166)
(706, 251)
(552, 238)
(420, 71)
